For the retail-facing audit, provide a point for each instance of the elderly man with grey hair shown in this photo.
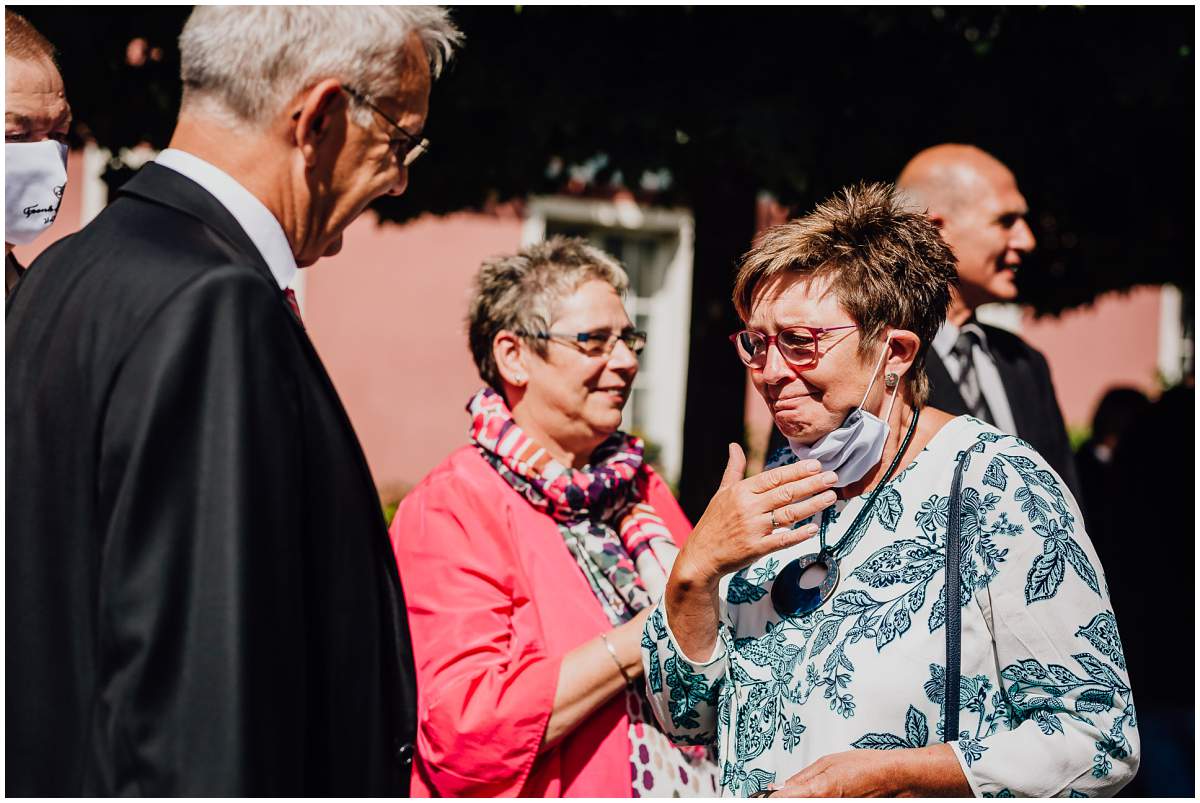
(200, 591)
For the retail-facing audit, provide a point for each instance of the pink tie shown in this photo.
(290, 295)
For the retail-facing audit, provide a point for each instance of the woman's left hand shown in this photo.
(855, 773)
(921, 772)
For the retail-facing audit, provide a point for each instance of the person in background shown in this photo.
(37, 118)
(1153, 583)
(974, 368)
(200, 596)
(827, 669)
(1099, 495)
(531, 555)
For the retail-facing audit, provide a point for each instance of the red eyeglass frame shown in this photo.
(815, 331)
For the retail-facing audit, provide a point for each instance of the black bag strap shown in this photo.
(953, 605)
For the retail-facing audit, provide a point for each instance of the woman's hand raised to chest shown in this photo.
(750, 518)
(746, 519)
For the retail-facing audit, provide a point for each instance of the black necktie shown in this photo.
(968, 377)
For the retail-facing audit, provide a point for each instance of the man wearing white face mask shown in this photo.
(36, 120)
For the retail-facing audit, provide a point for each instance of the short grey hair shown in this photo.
(521, 293)
(247, 61)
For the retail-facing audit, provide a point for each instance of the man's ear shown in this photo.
(510, 353)
(316, 112)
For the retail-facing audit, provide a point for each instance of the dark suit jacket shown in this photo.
(1026, 378)
(201, 594)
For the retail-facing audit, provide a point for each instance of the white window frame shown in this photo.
(669, 312)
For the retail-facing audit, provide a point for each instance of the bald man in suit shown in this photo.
(974, 368)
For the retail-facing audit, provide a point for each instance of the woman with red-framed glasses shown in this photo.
(939, 624)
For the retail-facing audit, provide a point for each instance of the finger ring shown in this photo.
(774, 524)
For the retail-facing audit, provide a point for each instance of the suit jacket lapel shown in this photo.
(1015, 378)
(165, 186)
(944, 394)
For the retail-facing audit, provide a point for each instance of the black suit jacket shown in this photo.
(1026, 378)
(201, 595)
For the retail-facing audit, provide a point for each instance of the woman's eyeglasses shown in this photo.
(595, 344)
(798, 345)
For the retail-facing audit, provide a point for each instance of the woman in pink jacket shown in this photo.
(530, 557)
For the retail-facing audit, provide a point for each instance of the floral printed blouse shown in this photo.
(1045, 704)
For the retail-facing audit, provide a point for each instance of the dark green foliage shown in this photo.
(1092, 107)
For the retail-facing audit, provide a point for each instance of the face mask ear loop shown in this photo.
(878, 365)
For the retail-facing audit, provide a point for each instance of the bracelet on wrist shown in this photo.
(616, 660)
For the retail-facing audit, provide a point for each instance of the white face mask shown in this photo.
(35, 175)
(853, 448)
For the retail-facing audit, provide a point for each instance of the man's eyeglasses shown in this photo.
(595, 344)
(412, 146)
(797, 345)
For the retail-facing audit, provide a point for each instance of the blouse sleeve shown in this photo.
(684, 694)
(1063, 722)
(483, 700)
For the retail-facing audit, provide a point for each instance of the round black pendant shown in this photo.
(790, 598)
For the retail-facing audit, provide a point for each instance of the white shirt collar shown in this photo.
(947, 336)
(255, 219)
(944, 340)
(990, 383)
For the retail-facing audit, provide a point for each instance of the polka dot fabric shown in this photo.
(658, 768)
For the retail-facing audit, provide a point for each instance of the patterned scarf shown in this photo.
(619, 542)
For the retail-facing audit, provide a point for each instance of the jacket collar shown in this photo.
(259, 223)
(167, 187)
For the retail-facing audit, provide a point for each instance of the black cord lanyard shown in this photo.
(788, 596)
(865, 514)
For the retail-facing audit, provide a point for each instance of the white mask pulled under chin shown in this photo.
(853, 448)
(35, 175)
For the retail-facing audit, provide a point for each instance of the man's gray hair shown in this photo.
(521, 293)
(247, 61)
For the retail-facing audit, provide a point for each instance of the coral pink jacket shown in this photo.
(494, 602)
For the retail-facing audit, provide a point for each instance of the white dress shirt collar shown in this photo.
(944, 340)
(255, 219)
(990, 383)
(947, 336)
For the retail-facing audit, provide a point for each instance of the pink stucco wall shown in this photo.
(387, 316)
(1092, 349)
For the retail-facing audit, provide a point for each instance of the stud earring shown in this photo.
(890, 380)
